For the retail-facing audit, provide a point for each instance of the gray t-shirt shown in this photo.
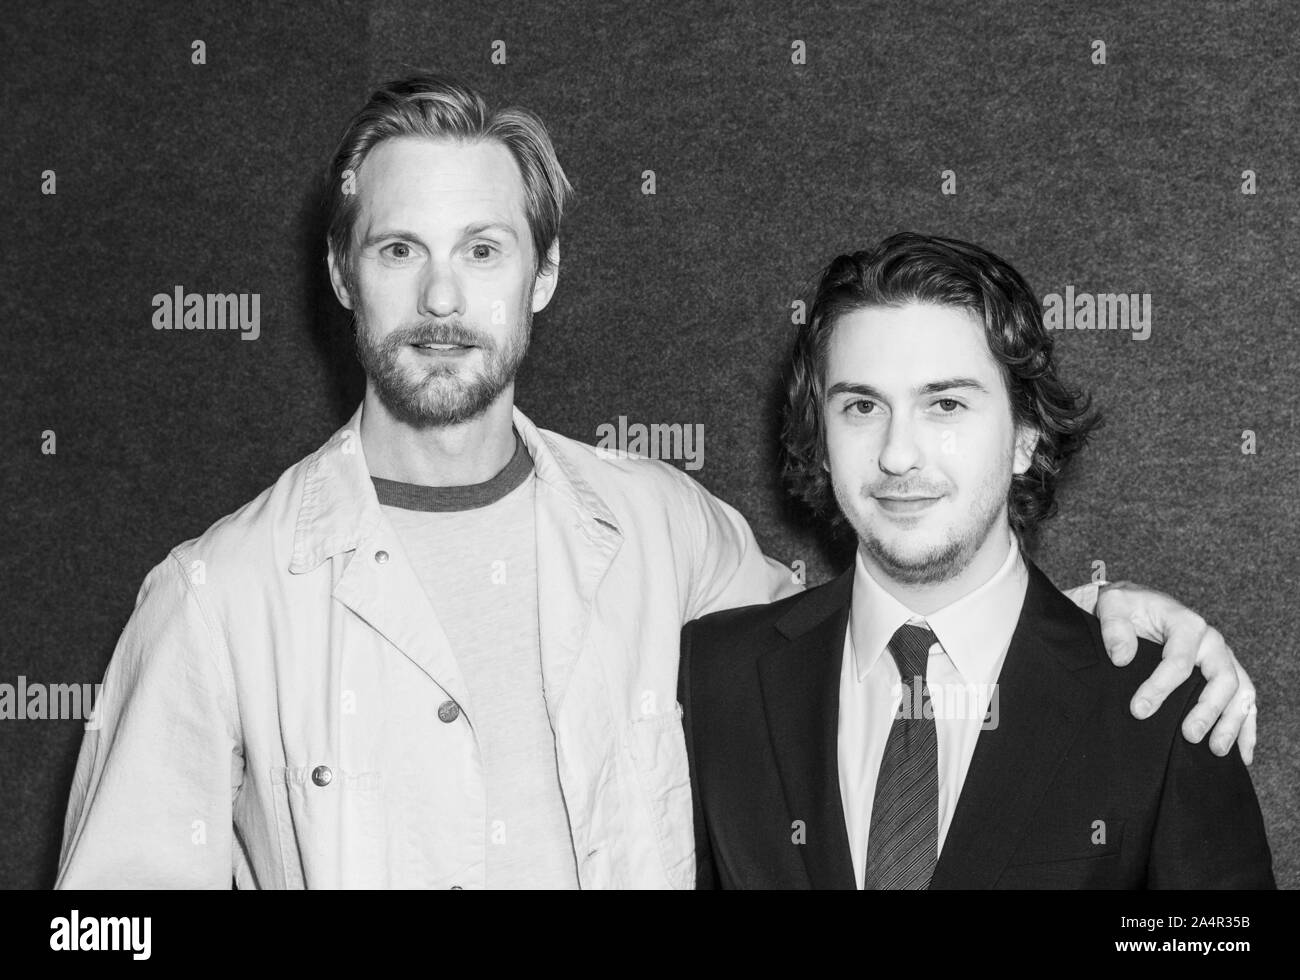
(474, 550)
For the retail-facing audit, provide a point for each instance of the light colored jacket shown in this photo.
(282, 706)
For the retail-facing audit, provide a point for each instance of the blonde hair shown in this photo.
(439, 107)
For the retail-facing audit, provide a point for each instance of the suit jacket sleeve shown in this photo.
(705, 872)
(1209, 832)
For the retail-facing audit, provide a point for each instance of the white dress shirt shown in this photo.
(974, 633)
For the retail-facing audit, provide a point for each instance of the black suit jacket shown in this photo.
(1068, 791)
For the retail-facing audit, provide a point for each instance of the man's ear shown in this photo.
(544, 284)
(1026, 442)
(339, 281)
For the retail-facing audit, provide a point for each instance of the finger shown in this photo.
(1215, 699)
(1246, 740)
(1185, 645)
(1169, 673)
(1120, 638)
(1233, 724)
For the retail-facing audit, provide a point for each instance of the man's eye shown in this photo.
(482, 252)
(949, 405)
(399, 250)
(861, 406)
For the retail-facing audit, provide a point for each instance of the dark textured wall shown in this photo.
(1122, 177)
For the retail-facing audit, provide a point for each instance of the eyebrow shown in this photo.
(930, 388)
(470, 231)
(498, 226)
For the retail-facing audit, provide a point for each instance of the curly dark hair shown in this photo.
(907, 268)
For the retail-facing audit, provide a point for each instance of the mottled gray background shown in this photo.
(673, 308)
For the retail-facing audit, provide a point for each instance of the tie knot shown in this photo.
(910, 646)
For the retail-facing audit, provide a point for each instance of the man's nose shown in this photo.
(902, 450)
(440, 290)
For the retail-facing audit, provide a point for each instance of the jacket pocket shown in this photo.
(330, 835)
(1058, 846)
(659, 746)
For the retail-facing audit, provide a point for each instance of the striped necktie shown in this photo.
(903, 842)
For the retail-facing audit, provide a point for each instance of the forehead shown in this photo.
(907, 346)
(443, 181)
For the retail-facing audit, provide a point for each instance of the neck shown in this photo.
(438, 456)
(929, 597)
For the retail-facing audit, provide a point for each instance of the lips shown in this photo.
(444, 350)
(905, 505)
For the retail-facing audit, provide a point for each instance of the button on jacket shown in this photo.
(283, 707)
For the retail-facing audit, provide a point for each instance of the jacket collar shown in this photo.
(559, 473)
(340, 508)
(815, 606)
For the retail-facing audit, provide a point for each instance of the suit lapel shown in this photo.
(800, 685)
(1044, 694)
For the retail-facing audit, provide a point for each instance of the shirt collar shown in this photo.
(973, 630)
(340, 507)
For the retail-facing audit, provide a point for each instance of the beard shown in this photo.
(438, 395)
(941, 560)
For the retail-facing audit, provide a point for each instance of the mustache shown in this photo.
(912, 489)
(451, 332)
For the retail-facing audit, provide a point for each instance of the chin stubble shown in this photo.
(439, 395)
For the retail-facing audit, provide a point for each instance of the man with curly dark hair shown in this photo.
(910, 268)
(940, 716)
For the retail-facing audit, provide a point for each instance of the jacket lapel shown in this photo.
(578, 539)
(800, 685)
(1044, 694)
(340, 513)
(388, 595)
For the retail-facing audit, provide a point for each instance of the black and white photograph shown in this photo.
(557, 446)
